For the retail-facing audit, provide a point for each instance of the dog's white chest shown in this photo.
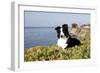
(62, 42)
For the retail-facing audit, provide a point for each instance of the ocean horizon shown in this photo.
(39, 36)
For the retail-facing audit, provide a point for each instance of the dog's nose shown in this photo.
(62, 36)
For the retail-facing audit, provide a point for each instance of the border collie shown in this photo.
(64, 38)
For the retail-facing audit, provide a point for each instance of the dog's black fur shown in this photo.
(71, 41)
(58, 31)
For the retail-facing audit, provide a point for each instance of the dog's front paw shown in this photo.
(64, 46)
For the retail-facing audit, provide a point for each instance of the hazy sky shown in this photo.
(53, 19)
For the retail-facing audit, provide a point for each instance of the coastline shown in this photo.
(52, 52)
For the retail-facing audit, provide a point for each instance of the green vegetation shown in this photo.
(52, 52)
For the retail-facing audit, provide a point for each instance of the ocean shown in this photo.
(37, 36)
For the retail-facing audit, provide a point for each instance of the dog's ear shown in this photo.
(65, 26)
(57, 28)
(65, 29)
(58, 31)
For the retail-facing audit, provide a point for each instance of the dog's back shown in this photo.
(72, 42)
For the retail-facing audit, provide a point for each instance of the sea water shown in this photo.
(39, 36)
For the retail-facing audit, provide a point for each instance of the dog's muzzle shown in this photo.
(62, 36)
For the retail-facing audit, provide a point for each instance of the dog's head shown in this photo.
(62, 32)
